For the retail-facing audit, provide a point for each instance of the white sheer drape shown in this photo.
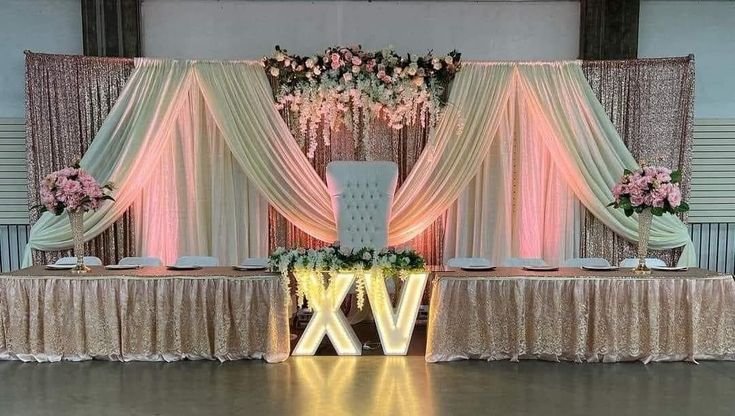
(547, 103)
(516, 206)
(128, 144)
(567, 148)
(198, 200)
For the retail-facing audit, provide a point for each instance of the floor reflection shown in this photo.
(370, 385)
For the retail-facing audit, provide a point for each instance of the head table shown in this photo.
(146, 314)
(579, 315)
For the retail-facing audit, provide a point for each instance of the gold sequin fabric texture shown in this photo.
(585, 318)
(67, 99)
(651, 103)
(147, 315)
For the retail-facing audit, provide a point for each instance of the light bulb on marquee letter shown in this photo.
(329, 320)
(395, 326)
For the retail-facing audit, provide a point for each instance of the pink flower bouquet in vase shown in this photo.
(648, 191)
(76, 191)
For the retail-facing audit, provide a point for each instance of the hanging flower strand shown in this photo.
(332, 89)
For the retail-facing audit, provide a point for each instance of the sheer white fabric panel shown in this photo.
(129, 142)
(517, 205)
(199, 201)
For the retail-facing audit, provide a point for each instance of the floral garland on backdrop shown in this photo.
(346, 86)
(309, 267)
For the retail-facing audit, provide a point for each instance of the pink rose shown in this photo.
(636, 200)
(617, 191)
(674, 196)
(335, 65)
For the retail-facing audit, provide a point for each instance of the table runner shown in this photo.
(149, 314)
(581, 316)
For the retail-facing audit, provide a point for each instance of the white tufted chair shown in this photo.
(140, 261)
(88, 260)
(650, 262)
(201, 261)
(255, 262)
(362, 195)
(522, 262)
(469, 262)
(585, 261)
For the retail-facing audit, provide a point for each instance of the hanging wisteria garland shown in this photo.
(346, 86)
(311, 267)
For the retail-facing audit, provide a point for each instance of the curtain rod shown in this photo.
(479, 62)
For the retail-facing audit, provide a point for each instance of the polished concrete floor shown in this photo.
(368, 385)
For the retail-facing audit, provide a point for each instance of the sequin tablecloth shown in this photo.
(149, 314)
(581, 316)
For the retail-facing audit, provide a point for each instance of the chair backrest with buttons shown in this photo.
(362, 195)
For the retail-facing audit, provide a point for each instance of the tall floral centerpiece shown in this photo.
(75, 191)
(648, 191)
(349, 86)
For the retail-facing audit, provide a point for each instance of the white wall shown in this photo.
(37, 25)
(704, 28)
(250, 29)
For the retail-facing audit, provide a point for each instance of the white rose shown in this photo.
(355, 69)
(317, 71)
(412, 69)
(367, 256)
(347, 76)
(275, 71)
(438, 66)
(280, 56)
(287, 62)
(309, 63)
(448, 59)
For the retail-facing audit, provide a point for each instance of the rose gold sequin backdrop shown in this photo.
(651, 104)
(650, 101)
(67, 99)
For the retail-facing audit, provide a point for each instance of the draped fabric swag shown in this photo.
(650, 101)
(68, 98)
(560, 108)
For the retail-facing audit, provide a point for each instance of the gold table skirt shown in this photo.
(573, 315)
(150, 314)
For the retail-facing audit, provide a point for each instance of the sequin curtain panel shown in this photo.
(67, 99)
(379, 142)
(650, 102)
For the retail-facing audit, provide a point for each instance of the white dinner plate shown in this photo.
(669, 269)
(122, 266)
(477, 268)
(541, 268)
(60, 266)
(601, 268)
(250, 267)
(175, 267)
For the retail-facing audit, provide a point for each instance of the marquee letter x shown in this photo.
(329, 320)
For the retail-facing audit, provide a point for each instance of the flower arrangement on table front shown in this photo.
(310, 267)
(75, 191)
(346, 85)
(648, 191)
